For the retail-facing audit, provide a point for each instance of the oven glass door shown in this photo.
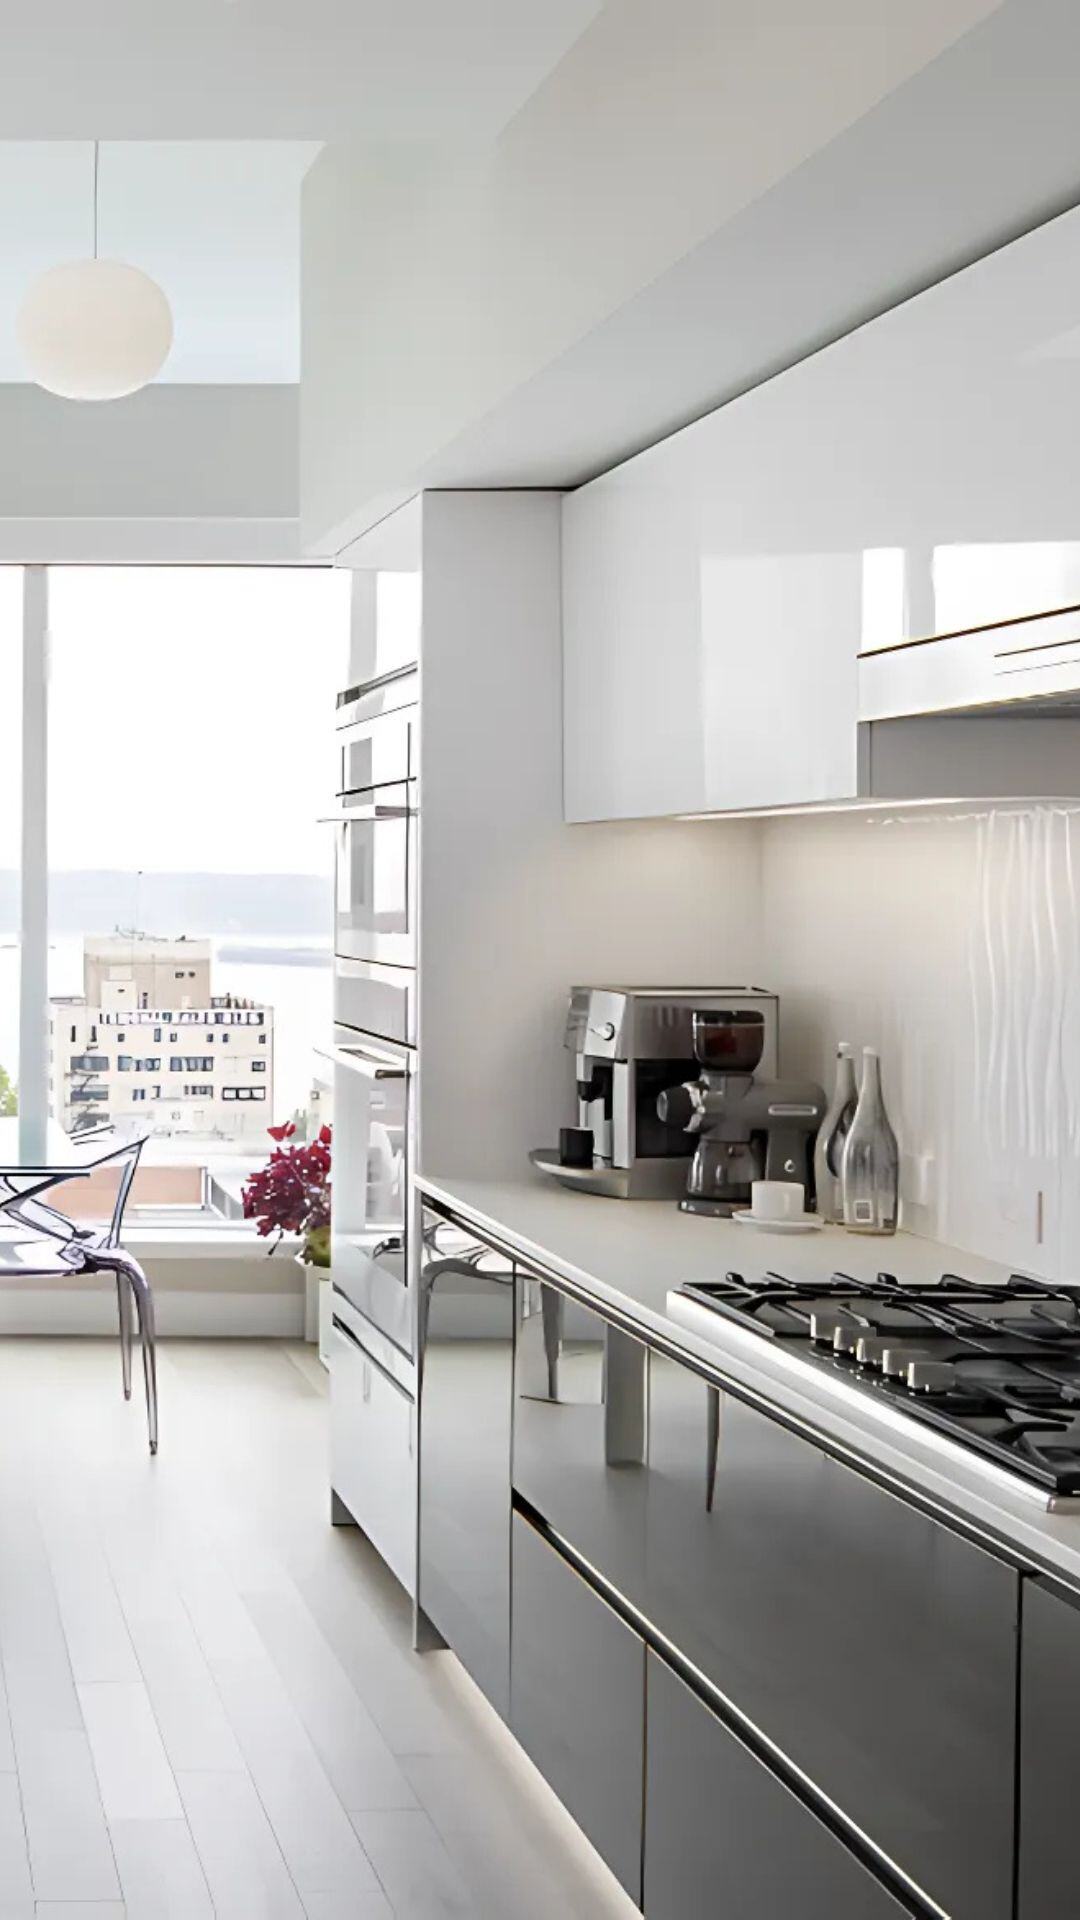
(373, 1131)
(375, 878)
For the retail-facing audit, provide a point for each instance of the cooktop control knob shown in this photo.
(824, 1328)
(870, 1349)
(846, 1338)
(930, 1376)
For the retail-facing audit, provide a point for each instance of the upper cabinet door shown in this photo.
(700, 675)
(916, 478)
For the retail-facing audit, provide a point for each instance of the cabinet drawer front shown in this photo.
(577, 1699)
(373, 1452)
(747, 1834)
(1049, 1753)
(467, 1356)
(580, 1431)
(872, 1646)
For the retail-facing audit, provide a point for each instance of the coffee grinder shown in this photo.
(747, 1128)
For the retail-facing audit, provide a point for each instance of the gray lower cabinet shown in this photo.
(724, 1836)
(874, 1647)
(1049, 1880)
(577, 1699)
(467, 1362)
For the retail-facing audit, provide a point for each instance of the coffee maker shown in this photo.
(748, 1126)
(631, 1045)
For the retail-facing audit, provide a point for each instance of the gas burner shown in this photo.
(996, 1367)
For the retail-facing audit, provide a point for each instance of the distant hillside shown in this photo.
(175, 903)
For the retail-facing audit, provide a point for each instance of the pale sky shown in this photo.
(191, 716)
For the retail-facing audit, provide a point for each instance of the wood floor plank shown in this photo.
(98, 1643)
(313, 1830)
(160, 1871)
(416, 1871)
(134, 1775)
(70, 1854)
(37, 1670)
(81, 1910)
(16, 1886)
(243, 1864)
(361, 1767)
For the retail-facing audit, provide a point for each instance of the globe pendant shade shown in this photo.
(94, 330)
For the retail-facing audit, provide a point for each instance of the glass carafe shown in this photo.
(870, 1166)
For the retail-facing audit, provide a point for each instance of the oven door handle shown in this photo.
(375, 810)
(394, 1243)
(365, 1063)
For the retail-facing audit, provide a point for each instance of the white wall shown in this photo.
(516, 907)
(436, 285)
(953, 944)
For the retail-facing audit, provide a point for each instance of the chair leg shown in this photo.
(144, 1299)
(124, 1303)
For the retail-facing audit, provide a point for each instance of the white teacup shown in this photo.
(777, 1199)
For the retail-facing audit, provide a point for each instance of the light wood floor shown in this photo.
(210, 1702)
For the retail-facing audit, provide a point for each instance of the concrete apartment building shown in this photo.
(149, 1046)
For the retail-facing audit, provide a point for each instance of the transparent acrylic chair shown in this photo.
(58, 1247)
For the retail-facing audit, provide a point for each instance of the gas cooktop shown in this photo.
(994, 1368)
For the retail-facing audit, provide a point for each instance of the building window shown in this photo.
(82, 1095)
(120, 1038)
(157, 1036)
(258, 1066)
(262, 1039)
(148, 1066)
(89, 1062)
(124, 1063)
(138, 1093)
(225, 1039)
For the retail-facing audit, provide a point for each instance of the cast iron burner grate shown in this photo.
(995, 1367)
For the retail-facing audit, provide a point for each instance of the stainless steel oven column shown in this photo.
(374, 1340)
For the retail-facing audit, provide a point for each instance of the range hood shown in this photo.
(989, 712)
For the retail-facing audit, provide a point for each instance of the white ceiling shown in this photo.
(216, 222)
(210, 112)
(283, 69)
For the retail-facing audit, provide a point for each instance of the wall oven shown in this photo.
(375, 876)
(374, 1153)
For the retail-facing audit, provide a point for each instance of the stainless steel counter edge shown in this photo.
(542, 1226)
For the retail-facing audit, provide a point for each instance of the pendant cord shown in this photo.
(96, 143)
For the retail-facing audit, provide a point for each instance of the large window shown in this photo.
(190, 752)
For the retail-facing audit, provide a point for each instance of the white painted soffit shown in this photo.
(967, 149)
(276, 69)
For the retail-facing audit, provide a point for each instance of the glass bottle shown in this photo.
(870, 1164)
(829, 1145)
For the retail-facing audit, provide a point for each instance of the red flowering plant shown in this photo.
(291, 1194)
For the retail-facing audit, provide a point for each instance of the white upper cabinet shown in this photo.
(920, 477)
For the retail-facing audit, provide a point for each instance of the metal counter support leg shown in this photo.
(339, 1512)
(426, 1637)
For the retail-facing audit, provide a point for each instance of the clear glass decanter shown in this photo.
(870, 1165)
(829, 1145)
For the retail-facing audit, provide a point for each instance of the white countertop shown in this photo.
(629, 1254)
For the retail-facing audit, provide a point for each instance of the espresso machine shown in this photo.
(748, 1125)
(632, 1046)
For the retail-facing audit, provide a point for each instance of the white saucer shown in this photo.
(802, 1223)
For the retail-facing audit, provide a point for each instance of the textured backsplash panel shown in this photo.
(952, 943)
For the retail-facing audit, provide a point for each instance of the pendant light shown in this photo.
(94, 329)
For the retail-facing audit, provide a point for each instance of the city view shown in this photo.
(189, 874)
